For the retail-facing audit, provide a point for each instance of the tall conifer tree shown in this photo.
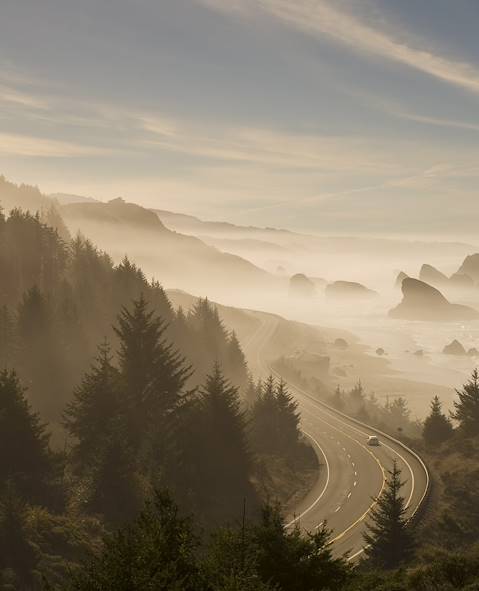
(389, 539)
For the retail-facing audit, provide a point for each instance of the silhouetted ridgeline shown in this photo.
(60, 299)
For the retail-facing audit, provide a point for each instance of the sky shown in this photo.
(328, 116)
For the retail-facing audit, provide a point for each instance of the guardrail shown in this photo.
(421, 506)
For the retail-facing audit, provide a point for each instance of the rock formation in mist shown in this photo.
(424, 302)
(341, 343)
(348, 289)
(454, 348)
(301, 286)
(433, 276)
(470, 267)
(461, 281)
(400, 278)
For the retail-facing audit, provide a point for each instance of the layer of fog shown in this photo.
(179, 261)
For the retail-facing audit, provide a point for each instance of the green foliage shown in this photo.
(161, 550)
(218, 450)
(467, 407)
(275, 420)
(26, 461)
(389, 539)
(295, 561)
(89, 416)
(153, 374)
(437, 427)
(157, 552)
(7, 337)
(67, 296)
(17, 555)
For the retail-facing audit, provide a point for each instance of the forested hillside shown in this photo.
(139, 398)
(59, 300)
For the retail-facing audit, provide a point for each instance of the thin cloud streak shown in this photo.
(270, 147)
(30, 146)
(321, 18)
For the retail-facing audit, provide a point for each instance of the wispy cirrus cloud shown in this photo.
(40, 147)
(322, 18)
(12, 95)
(269, 147)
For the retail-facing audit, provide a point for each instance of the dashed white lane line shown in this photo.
(355, 473)
(349, 495)
(355, 483)
(338, 509)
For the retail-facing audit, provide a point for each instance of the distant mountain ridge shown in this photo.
(180, 261)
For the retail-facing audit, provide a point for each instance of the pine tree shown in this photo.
(17, 553)
(114, 490)
(209, 338)
(153, 374)
(226, 463)
(288, 419)
(237, 368)
(337, 399)
(95, 405)
(357, 397)
(467, 407)
(7, 338)
(388, 537)
(399, 413)
(437, 427)
(289, 559)
(263, 426)
(40, 354)
(25, 457)
(158, 551)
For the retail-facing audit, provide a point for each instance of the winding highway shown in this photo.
(352, 474)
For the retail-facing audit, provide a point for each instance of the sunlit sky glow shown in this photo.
(337, 116)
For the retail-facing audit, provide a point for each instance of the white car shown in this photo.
(373, 440)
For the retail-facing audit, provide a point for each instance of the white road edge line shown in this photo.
(326, 484)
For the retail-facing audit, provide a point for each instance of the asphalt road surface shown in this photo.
(352, 473)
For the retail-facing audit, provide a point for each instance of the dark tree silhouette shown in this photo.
(236, 365)
(288, 417)
(225, 475)
(467, 407)
(388, 537)
(94, 409)
(25, 458)
(158, 551)
(293, 560)
(7, 338)
(17, 553)
(153, 373)
(437, 427)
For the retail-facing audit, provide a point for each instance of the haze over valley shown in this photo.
(239, 295)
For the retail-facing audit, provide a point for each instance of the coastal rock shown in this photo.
(348, 289)
(470, 267)
(433, 276)
(454, 348)
(301, 286)
(424, 302)
(400, 278)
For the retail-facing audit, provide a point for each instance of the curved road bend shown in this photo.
(352, 473)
